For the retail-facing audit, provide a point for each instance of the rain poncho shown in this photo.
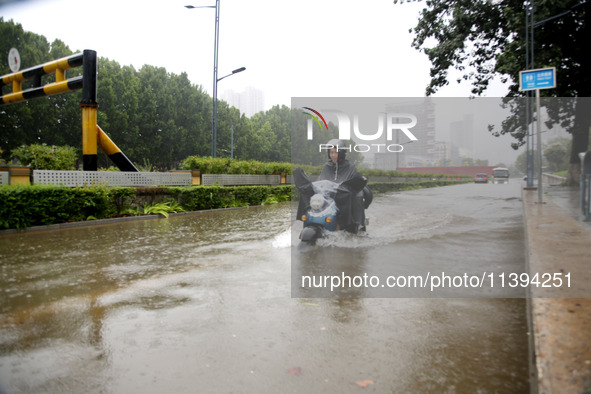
(349, 195)
(338, 172)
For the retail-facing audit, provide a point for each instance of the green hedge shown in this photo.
(26, 206)
(213, 197)
(209, 165)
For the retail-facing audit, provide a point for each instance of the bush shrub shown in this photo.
(213, 197)
(26, 206)
(209, 165)
(46, 157)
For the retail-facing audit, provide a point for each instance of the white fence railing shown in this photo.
(239, 180)
(110, 178)
(115, 178)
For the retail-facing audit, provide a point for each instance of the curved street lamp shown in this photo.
(238, 70)
(215, 112)
(215, 72)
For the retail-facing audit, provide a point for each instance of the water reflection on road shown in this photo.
(202, 303)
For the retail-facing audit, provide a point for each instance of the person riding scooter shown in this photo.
(352, 195)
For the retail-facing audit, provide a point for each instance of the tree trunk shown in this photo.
(574, 174)
(580, 132)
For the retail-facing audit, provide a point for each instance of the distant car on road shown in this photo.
(481, 178)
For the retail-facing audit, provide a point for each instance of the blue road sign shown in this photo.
(541, 78)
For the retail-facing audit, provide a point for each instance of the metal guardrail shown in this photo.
(110, 178)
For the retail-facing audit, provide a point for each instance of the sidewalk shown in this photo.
(560, 328)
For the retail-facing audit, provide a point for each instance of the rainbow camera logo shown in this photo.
(315, 115)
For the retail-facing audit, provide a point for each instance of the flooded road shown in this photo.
(203, 303)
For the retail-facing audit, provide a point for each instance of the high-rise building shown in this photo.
(461, 134)
(250, 101)
(416, 153)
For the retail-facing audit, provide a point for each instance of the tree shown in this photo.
(20, 124)
(556, 155)
(486, 38)
(46, 157)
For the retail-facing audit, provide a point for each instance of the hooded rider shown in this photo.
(349, 198)
(352, 195)
(337, 168)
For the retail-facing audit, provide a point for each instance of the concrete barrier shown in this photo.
(552, 180)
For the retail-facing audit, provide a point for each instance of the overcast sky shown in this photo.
(289, 48)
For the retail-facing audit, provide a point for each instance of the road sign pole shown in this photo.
(541, 78)
(539, 124)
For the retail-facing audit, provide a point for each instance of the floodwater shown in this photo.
(203, 303)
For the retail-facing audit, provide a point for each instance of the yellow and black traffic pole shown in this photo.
(89, 111)
(92, 135)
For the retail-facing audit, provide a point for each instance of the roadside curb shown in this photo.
(559, 328)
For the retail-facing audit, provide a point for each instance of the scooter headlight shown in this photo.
(317, 201)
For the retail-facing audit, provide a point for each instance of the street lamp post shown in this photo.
(215, 107)
(216, 45)
(215, 73)
(529, 64)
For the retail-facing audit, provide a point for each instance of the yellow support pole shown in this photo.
(89, 111)
(60, 75)
(89, 136)
(16, 86)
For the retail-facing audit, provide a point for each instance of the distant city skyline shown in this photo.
(249, 101)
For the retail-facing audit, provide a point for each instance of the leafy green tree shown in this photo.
(483, 39)
(556, 154)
